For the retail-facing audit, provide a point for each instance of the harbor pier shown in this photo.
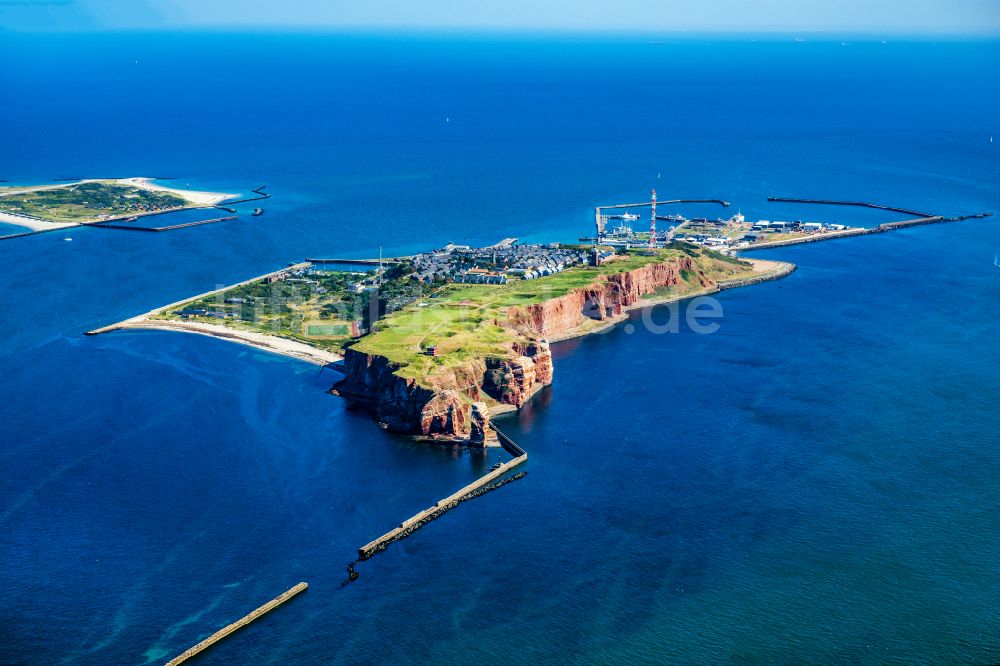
(354, 262)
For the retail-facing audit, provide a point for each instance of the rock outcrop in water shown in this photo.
(445, 404)
(443, 407)
(479, 431)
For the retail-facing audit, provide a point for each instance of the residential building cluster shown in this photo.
(494, 265)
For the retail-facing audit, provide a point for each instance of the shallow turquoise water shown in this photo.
(814, 482)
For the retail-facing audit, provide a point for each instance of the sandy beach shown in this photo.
(194, 196)
(763, 270)
(270, 343)
(198, 197)
(33, 224)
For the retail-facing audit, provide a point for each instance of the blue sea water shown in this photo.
(815, 482)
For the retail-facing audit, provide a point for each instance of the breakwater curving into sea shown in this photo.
(785, 268)
(859, 204)
(480, 486)
(259, 191)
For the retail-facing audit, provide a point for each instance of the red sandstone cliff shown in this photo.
(607, 297)
(441, 406)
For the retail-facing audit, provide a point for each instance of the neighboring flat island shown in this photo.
(51, 207)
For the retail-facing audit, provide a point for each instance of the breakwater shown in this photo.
(35, 225)
(133, 216)
(861, 204)
(882, 228)
(239, 624)
(781, 271)
(261, 195)
(169, 227)
(664, 202)
(28, 233)
(480, 486)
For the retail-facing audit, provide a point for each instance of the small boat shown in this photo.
(257, 212)
(630, 216)
(67, 238)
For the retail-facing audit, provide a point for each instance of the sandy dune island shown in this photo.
(193, 197)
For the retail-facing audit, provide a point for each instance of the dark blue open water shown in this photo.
(817, 481)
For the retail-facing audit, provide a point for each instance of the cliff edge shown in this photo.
(420, 371)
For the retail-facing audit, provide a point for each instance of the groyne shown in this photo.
(239, 624)
(478, 487)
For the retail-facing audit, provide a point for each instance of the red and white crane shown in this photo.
(652, 221)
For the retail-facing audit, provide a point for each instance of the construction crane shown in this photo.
(652, 221)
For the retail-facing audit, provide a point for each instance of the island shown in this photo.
(434, 344)
(96, 201)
